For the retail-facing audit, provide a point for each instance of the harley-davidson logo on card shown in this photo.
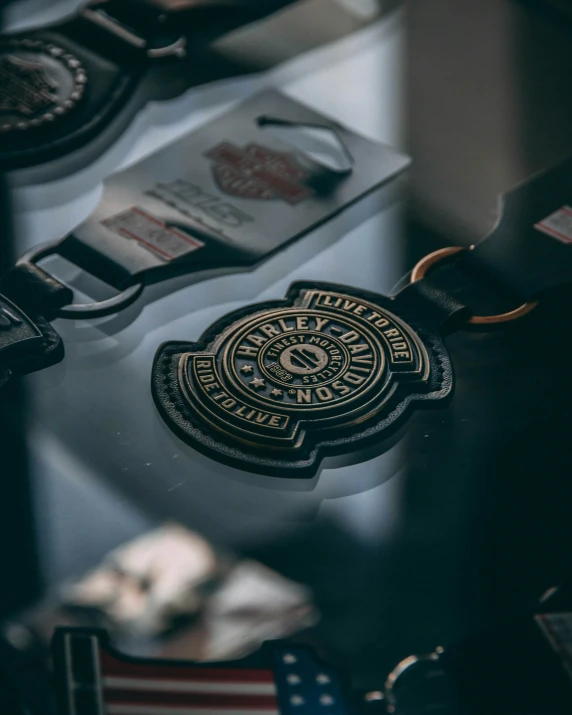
(257, 172)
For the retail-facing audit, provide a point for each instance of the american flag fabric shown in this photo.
(96, 680)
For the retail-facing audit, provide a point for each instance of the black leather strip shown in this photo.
(530, 249)
(424, 302)
(34, 290)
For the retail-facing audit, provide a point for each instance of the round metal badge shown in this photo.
(39, 82)
(274, 388)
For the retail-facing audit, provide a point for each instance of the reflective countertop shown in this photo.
(444, 532)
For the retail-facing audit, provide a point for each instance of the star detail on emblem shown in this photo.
(246, 369)
(323, 679)
(257, 383)
(276, 393)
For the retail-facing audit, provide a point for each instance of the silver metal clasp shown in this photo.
(102, 18)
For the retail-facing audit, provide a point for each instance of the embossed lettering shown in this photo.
(354, 379)
(339, 386)
(350, 336)
(269, 330)
(247, 351)
(362, 358)
(358, 348)
(381, 323)
(256, 339)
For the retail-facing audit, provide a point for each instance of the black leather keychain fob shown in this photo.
(27, 340)
(275, 387)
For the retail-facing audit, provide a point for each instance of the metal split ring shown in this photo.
(402, 667)
(430, 259)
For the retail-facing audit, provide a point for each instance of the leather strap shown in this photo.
(528, 253)
(530, 249)
(34, 290)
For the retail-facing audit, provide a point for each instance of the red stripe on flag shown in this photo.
(111, 666)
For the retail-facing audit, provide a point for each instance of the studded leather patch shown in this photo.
(39, 83)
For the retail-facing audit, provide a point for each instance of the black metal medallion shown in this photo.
(276, 387)
(39, 83)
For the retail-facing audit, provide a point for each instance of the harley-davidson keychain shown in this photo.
(273, 388)
(276, 387)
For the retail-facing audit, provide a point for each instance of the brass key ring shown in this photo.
(430, 259)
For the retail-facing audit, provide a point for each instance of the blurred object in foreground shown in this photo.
(518, 667)
(168, 593)
(419, 684)
(144, 585)
(252, 605)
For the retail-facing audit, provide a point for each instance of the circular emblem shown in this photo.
(277, 389)
(305, 360)
(39, 82)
